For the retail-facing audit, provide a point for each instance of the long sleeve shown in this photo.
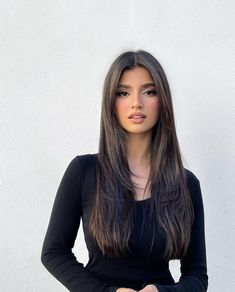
(64, 222)
(193, 266)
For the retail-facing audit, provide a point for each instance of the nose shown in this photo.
(136, 101)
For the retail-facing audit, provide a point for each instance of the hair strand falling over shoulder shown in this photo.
(111, 221)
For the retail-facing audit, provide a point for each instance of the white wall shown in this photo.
(53, 59)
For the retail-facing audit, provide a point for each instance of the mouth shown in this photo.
(137, 116)
(137, 119)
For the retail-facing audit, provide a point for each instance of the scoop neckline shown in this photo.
(142, 201)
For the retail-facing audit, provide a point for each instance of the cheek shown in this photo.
(119, 107)
(154, 106)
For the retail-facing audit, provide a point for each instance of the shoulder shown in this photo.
(84, 164)
(84, 159)
(191, 178)
(194, 187)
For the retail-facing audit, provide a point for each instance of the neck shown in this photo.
(139, 149)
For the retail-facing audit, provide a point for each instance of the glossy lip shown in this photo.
(137, 120)
(137, 115)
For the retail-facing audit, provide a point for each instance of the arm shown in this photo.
(64, 222)
(193, 266)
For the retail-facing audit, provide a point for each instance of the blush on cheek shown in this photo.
(155, 105)
(119, 106)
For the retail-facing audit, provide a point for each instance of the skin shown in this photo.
(137, 97)
(132, 95)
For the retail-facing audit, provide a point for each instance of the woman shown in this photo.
(139, 206)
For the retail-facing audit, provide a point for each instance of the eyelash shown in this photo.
(119, 93)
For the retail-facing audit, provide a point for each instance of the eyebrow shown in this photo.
(145, 85)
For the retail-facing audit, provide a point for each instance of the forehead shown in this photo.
(135, 76)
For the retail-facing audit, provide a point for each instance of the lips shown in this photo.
(136, 116)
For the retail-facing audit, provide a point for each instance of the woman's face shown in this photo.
(137, 104)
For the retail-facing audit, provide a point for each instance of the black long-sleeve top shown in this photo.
(73, 202)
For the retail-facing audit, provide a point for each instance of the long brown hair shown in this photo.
(111, 221)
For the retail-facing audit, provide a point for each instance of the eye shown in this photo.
(151, 92)
(121, 93)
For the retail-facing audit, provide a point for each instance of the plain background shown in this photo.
(53, 59)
